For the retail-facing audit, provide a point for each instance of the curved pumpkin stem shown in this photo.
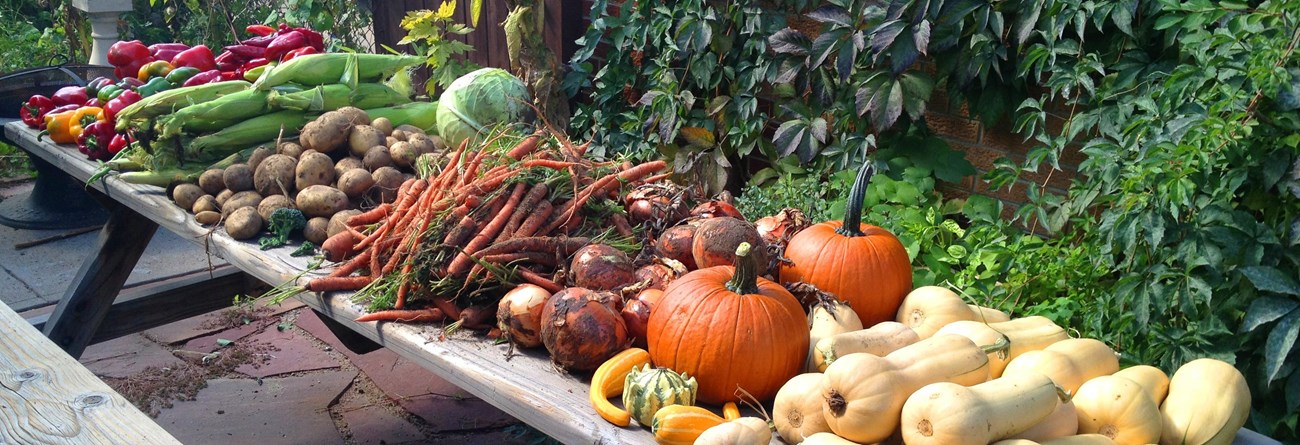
(745, 279)
(853, 208)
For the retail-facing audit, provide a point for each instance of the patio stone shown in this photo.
(375, 425)
(278, 411)
(292, 353)
(126, 356)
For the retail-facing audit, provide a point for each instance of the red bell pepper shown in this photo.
(229, 61)
(247, 51)
(198, 56)
(129, 52)
(259, 30)
(118, 103)
(285, 42)
(167, 51)
(117, 144)
(92, 102)
(69, 95)
(259, 41)
(95, 140)
(231, 75)
(298, 52)
(34, 109)
(315, 39)
(208, 76)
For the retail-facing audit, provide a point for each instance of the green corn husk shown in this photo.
(334, 96)
(252, 131)
(323, 69)
(221, 112)
(423, 115)
(170, 101)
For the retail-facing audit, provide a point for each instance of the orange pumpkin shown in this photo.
(730, 329)
(862, 264)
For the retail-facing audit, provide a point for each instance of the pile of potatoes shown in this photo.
(342, 162)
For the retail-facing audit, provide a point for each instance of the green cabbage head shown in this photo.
(475, 103)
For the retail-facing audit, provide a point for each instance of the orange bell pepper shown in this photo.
(59, 127)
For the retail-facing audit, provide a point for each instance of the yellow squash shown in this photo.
(1069, 363)
(950, 414)
(682, 424)
(883, 338)
(1152, 379)
(608, 380)
(1062, 422)
(1081, 439)
(1025, 334)
(741, 431)
(797, 410)
(928, 308)
(1118, 408)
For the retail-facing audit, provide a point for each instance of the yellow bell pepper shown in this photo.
(82, 117)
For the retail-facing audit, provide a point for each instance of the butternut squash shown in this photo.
(1152, 380)
(1062, 422)
(682, 424)
(1081, 439)
(827, 439)
(928, 308)
(988, 314)
(608, 380)
(1069, 362)
(864, 393)
(741, 431)
(946, 413)
(1207, 404)
(1119, 409)
(883, 338)
(827, 318)
(797, 409)
(1025, 334)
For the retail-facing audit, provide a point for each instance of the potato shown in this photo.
(382, 124)
(397, 135)
(186, 194)
(387, 181)
(438, 143)
(205, 203)
(314, 168)
(290, 149)
(321, 200)
(259, 155)
(270, 203)
(409, 129)
(212, 182)
(275, 175)
(244, 223)
(355, 182)
(389, 141)
(238, 177)
(247, 198)
(403, 153)
(327, 133)
(316, 230)
(421, 144)
(355, 115)
(207, 217)
(362, 138)
(377, 157)
(223, 196)
(339, 222)
(345, 164)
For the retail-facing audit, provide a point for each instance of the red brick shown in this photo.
(1072, 156)
(982, 157)
(1059, 179)
(1016, 194)
(1001, 136)
(938, 102)
(951, 192)
(952, 126)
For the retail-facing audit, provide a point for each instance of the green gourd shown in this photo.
(647, 389)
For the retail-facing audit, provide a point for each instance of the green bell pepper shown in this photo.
(108, 92)
(154, 86)
(92, 88)
(178, 76)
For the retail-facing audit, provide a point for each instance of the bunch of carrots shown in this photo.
(491, 215)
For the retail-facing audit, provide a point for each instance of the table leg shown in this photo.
(121, 242)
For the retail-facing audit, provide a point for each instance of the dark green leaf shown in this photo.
(884, 35)
(1265, 310)
(789, 136)
(921, 37)
(824, 46)
(1280, 341)
(831, 14)
(789, 41)
(1270, 279)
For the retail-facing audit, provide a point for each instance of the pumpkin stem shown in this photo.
(853, 208)
(745, 279)
(999, 346)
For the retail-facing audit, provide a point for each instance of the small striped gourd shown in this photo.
(648, 389)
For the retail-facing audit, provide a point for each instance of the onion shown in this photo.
(581, 330)
(661, 204)
(636, 315)
(675, 243)
(651, 296)
(779, 228)
(660, 272)
(717, 238)
(601, 267)
(716, 208)
(519, 315)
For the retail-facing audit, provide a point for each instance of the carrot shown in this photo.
(547, 163)
(487, 183)
(370, 216)
(339, 246)
(559, 245)
(327, 284)
(462, 263)
(352, 265)
(526, 208)
(473, 317)
(460, 233)
(409, 316)
(447, 307)
(534, 278)
(471, 169)
(542, 258)
(535, 221)
(525, 146)
(621, 224)
(656, 178)
(601, 187)
(403, 288)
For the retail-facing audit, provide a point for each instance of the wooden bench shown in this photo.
(46, 397)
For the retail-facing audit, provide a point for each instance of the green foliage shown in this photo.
(430, 33)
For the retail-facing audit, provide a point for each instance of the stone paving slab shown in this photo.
(279, 411)
(446, 414)
(377, 425)
(401, 379)
(185, 330)
(208, 343)
(126, 356)
(292, 353)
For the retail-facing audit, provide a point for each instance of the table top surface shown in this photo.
(527, 386)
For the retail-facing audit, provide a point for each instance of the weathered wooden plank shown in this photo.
(79, 313)
(46, 397)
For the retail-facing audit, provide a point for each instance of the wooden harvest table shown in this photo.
(527, 386)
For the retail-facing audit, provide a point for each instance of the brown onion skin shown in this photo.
(636, 315)
(658, 275)
(651, 296)
(676, 243)
(655, 203)
(601, 267)
(524, 329)
(580, 330)
(716, 208)
(716, 240)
